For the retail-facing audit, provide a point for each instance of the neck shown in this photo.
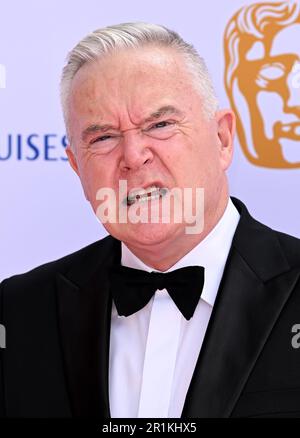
(164, 255)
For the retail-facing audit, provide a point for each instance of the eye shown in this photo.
(102, 138)
(162, 130)
(104, 143)
(161, 124)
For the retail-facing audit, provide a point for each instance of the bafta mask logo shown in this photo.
(262, 80)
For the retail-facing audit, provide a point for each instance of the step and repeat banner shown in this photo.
(252, 49)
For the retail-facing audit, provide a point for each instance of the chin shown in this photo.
(147, 234)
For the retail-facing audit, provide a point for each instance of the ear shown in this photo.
(72, 159)
(226, 123)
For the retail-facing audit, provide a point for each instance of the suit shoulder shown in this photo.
(291, 247)
(46, 273)
(253, 238)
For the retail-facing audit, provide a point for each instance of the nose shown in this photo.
(136, 151)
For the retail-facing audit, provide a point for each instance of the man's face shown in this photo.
(135, 116)
(267, 95)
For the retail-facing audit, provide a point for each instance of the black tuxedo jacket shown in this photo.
(57, 320)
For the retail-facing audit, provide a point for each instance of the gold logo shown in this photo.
(262, 80)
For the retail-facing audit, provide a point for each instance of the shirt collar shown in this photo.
(211, 253)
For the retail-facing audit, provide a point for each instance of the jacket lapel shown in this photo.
(257, 282)
(84, 306)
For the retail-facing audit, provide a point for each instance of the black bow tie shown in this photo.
(132, 288)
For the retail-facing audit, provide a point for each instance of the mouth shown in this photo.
(149, 193)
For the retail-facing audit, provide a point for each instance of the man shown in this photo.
(95, 334)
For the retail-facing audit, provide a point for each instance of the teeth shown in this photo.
(151, 192)
(143, 191)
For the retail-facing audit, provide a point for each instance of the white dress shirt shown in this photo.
(153, 353)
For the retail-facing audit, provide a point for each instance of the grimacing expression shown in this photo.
(136, 116)
(267, 80)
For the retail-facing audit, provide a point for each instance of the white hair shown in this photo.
(110, 39)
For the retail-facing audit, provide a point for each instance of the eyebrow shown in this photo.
(92, 129)
(163, 111)
(160, 112)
